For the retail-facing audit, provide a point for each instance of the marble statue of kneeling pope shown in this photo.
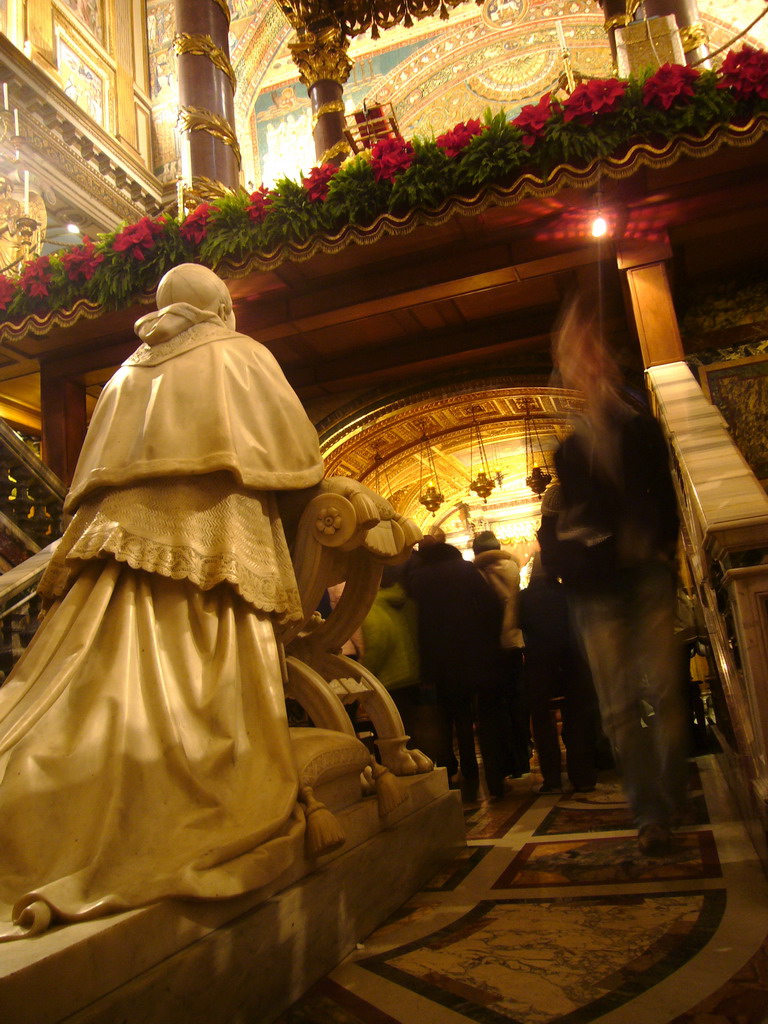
(144, 746)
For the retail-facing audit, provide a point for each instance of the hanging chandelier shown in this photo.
(538, 478)
(483, 483)
(22, 220)
(430, 496)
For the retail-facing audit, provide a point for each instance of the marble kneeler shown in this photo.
(144, 747)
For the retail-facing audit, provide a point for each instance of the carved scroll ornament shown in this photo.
(204, 46)
(620, 18)
(196, 119)
(693, 36)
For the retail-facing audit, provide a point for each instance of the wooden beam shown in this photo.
(651, 302)
(63, 424)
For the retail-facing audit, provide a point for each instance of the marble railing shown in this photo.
(31, 495)
(31, 500)
(725, 527)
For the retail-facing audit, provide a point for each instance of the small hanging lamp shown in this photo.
(430, 496)
(483, 483)
(537, 478)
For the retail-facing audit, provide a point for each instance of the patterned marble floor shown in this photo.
(551, 916)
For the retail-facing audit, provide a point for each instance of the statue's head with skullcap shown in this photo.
(187, 295)
(198, 286)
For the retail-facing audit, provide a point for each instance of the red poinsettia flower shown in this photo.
(316, 183)
(139, 238)
(598, 96)
(7, 288)
(260, 202)
(195, 226)
(532, 119)
(390, 156)
(453, 142)
(82, 260)
(745, 72)
(36, 277)
(671, 83)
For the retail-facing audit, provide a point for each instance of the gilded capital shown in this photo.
(322, 57)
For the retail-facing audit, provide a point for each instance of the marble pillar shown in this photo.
(206, 94)
(324, 66)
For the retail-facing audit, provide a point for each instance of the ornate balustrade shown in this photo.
(725, 527)
(31, 499)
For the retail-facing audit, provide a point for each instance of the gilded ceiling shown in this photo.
(497, 55)
(500, 54)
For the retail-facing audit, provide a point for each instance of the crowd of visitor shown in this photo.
(592, 636)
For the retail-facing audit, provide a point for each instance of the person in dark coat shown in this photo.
(555, 668)
(619, 509)
(459, 622)
(501, 571)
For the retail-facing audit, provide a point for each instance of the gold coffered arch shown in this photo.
(382, 447)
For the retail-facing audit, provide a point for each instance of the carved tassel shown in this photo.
(388, 793)
(324, 834)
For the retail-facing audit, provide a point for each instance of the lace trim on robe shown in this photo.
(202, 528)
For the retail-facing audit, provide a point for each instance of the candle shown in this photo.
(16, 123)
(26, 193)
(5, 95)
(561, 35)
(186, 159)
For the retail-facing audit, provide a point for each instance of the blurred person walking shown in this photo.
(619, 508)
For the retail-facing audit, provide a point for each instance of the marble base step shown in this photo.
(242, 960)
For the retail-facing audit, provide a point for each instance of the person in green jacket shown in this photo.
(391, 652)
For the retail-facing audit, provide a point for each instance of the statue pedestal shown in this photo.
(238, 960)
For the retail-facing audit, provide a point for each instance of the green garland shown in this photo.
(424, 174)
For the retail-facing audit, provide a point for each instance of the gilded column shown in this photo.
(693, 35)
(210, 151)
(320, 54)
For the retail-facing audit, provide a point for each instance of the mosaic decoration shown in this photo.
(80, 82)
(282, 118)
(564, 958)
(608, 862)
(491, 821)
(542, 961)
(563, 820)
(452, 874)
(88, 13)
